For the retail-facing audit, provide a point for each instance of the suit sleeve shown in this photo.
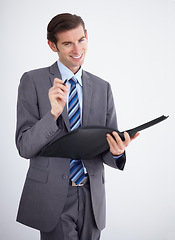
(111, 121)
(32, 132)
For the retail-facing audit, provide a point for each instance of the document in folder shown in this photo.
(87, 142)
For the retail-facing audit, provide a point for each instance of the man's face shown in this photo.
(72, 47)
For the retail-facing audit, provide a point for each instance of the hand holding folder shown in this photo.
(87, 142)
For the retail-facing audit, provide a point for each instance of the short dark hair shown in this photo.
(61, 23)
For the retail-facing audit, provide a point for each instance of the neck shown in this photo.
(75, 70)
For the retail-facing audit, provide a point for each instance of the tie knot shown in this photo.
(73, 81)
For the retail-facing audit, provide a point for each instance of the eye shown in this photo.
(67, 44)
(82, 39)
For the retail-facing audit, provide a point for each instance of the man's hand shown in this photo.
(117, 146)
(58, 97)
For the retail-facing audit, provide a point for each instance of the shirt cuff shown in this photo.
(117, 157)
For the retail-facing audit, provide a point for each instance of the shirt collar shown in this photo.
(66, 73)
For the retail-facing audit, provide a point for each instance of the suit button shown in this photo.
(65, 176)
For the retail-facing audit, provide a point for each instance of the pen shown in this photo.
(65, 82)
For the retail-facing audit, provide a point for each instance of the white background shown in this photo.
(131, 45)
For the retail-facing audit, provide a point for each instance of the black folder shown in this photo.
(87, 142)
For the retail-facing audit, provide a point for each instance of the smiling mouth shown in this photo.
(79, 57)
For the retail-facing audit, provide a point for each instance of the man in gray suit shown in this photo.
(51, 201)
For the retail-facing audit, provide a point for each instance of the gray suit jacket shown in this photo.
(47, 179)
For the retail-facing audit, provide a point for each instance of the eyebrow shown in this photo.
(70, 42)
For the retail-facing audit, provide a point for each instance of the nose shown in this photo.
(76, 50)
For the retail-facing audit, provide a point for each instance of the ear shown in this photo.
(52, 46)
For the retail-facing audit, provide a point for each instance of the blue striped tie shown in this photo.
(76, 166)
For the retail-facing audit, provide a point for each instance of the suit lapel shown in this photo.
(87, 96)
(55, 73)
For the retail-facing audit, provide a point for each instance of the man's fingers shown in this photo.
(127, 139)
(58, 96)
(117, 146)
(135, 136)
(117, 137)
(111, 140)
(57, 80)
(115, 143)
(59, 86)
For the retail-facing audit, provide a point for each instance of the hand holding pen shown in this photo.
(58, 97)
